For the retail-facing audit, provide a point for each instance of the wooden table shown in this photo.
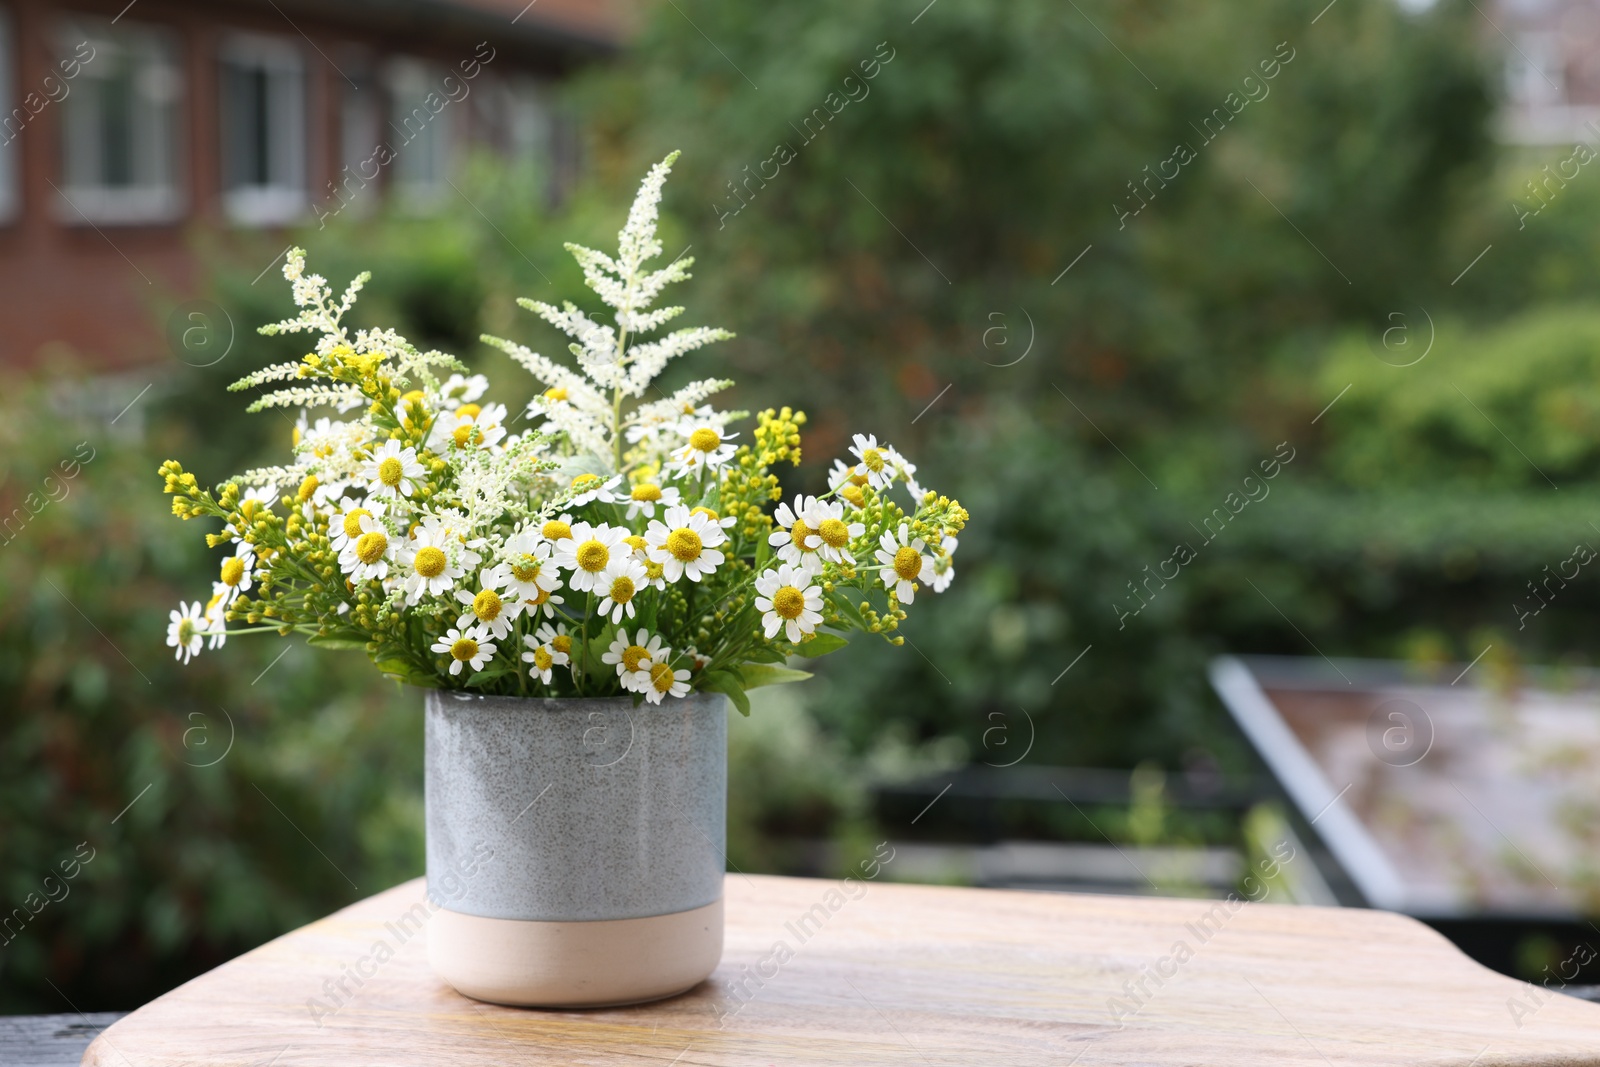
(819, 972)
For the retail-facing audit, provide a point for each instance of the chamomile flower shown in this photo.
(797, 542)
(647, 496)
(587, 552)
(663, 681)
(543, 654)
(487, 607)
(367, 555)
(469, 426)
(590, 487)
(620, 582)
(558, 639)
(542, 604)
(186, 632)
(392, 471)
(557, 529)
(832, 532)
(527, 569)
(875, 459)
(704, 449)
(427, 564)
(944, 566)
(685, 544)
(632, 657)
(216, 615)
(236, 573)
(904, 565)
(345, 525)
(788, 602)
(469, 647)
(458, 390)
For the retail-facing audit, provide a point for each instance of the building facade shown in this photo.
(126, 127)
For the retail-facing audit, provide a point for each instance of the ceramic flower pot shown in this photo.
(575, 847)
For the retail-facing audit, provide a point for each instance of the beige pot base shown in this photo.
(598, 964)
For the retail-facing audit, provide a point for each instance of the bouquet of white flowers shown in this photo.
(614, 544)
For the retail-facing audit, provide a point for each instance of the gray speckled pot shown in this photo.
(590, 809)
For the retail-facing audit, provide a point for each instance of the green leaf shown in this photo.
(479, 677)
(843, 601)
(820, 645)
(725, 682)
(757, 675)
(764, 654)
(763, 552)
(344, 639)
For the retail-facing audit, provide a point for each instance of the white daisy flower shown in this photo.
(367, 556)
(345, 525)
(557, 529)
(558, 639)
(832, 532)
(685, 544)
(662, 680)
(797, 542)
(471, 647)
(216, 615)
(392, 471)
(488, 607)
(187, 630)
(458, 390)
(590, 487)
(875, 459)
(543, 654)
(944, 566)
(469, 426)
(697, 660)
(646, 496)
(620, 582)
(904, 565)
(236, 573)
(426, 561)
(704, 449)
(587, 552)
(788, 602)
(527, 568)
(632, 657)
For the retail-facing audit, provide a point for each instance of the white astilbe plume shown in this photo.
(613, 362)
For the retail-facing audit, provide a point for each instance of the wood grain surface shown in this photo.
(819, 972)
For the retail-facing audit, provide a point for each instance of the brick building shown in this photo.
(124, 126)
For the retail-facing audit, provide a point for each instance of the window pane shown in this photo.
(263, 130)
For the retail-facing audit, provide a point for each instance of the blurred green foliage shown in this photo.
(889, 278)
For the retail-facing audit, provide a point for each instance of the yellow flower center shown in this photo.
(556, 393)
(525, 572)
(232, 570)
(907, 563)
(486, 605)
(371, 547)
(555, 530)
(856, 478)
(684, 544)
(464, 649)
(561, 643)
(637, 543)
(800, 533)
(873, 458)
(430, 562)
(788, 602)
(593, 556)
(653, 569)
(468, 411)
(707, 512)
(185, 631)
(466, 434)
(854, 494)
(633, 655)
(390, 471)
(542, 658)
(584, 481)
(622, 589)
(705, 439)
(834, 533)
(661, 677)
(544, 594)
(307, 487)
(352, 522)
(646, 491)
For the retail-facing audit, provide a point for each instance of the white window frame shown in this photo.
(284, 197)
(425, 152)
(157, 140)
